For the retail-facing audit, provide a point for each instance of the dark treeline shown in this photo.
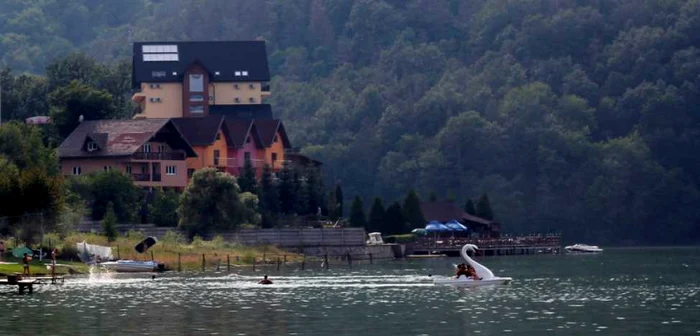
(578, 116)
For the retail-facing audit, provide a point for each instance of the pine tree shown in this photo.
(269, 199)
(109, 223)
(339, 200)
(247, 180)
(412, 211)
(301, 198)
(332, 206)
(286, 188)
(433, 197)
(357, 213)
(483, 208)
(377, 214)
(313, 191)
(395, 221)
(469, 208)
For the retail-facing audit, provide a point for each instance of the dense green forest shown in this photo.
(577, 116)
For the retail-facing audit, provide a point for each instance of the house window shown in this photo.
(196, 83)
(275, 138)
(91, 146)
(158, 74)
(170, 170)
(76, 170)
(161, 148)
(217, 154)
(107, 168)
(235, 86)
(147, 148)
(246, 156)
(274, 157)
(251, 86)
(251, 99)
(190, 172)
(218, 136)
(247, 140)
(244, 73)
(196, 98)
(128, 169)
(196, 109)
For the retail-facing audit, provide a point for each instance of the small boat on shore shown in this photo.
(485, 274)
(131, 266)
(583, 249)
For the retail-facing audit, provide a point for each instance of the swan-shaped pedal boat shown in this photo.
(487, 277)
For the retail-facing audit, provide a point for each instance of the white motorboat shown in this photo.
(130, 266)
(583, 248)
(486, 276)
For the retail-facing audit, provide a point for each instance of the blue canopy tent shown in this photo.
(456, 226)
(435, 226)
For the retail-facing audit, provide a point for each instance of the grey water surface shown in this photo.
(641, 291)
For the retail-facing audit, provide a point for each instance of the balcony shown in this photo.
(178, 156)
(156, 177)
(141, 177)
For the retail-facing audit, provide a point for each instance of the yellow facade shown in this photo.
(277, 147)
(206, 154)
(225, 93)
(160, 100)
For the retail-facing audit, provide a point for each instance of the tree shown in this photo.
(395, 221)
(163, 210)
(483, 208)
(357, 213)
(248, 181)
(68, 103)
(332, 206)
(314, 190)
(469, 208)
(412, 211)
(269, 199)
(286, 189)
(339, 200)
(117, 188)
(433, 197)
(211, 203)
(109, 223)
(377, 217)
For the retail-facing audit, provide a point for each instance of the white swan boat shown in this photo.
(487, 277)
(130, 266)
(583, 248)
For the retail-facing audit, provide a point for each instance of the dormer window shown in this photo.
(247, 140)
(274, 139)
(91, 146)
(218, 136)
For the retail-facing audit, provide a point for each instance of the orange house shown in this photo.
(209, 137)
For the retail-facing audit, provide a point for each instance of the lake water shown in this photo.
(621, 292)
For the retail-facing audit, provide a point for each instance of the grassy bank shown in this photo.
(38, 268)
(171, 250)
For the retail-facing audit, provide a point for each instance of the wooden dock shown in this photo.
(490, 246)
(28, 283)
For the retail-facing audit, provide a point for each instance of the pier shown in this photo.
(28, 283)
(532, 244)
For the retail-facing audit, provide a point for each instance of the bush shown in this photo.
(173, 237)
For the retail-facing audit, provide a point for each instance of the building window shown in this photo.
(91, 146)
(196, 109)
(158, 74)
(235, 86)
(246, 156)
(274, 157)
(170, 170)
(218, 136)
(196, 98)
(275, 138)
(128, 169)
(147, 148)
(251, 99)
(107, 168)
(76, 170)
(251, 86)
(236, 100)
(190, 172)
(244, 73)
(247, 140)
(217, 154)
(196, 83)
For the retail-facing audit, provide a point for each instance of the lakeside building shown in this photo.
(212, 93)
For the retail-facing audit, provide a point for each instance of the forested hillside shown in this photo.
(579, 116)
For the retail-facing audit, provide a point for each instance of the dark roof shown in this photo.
(225, 57)
(302, 159)
(268, 128)
(243, 111)
(119, 137)
(239, 130)
(447, 211)
(199, 131)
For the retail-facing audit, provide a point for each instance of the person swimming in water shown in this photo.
(265, 281)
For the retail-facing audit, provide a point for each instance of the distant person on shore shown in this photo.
(25, 262)
(265, 281)
(53, 263)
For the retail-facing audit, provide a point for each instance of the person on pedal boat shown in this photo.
(461, 270)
